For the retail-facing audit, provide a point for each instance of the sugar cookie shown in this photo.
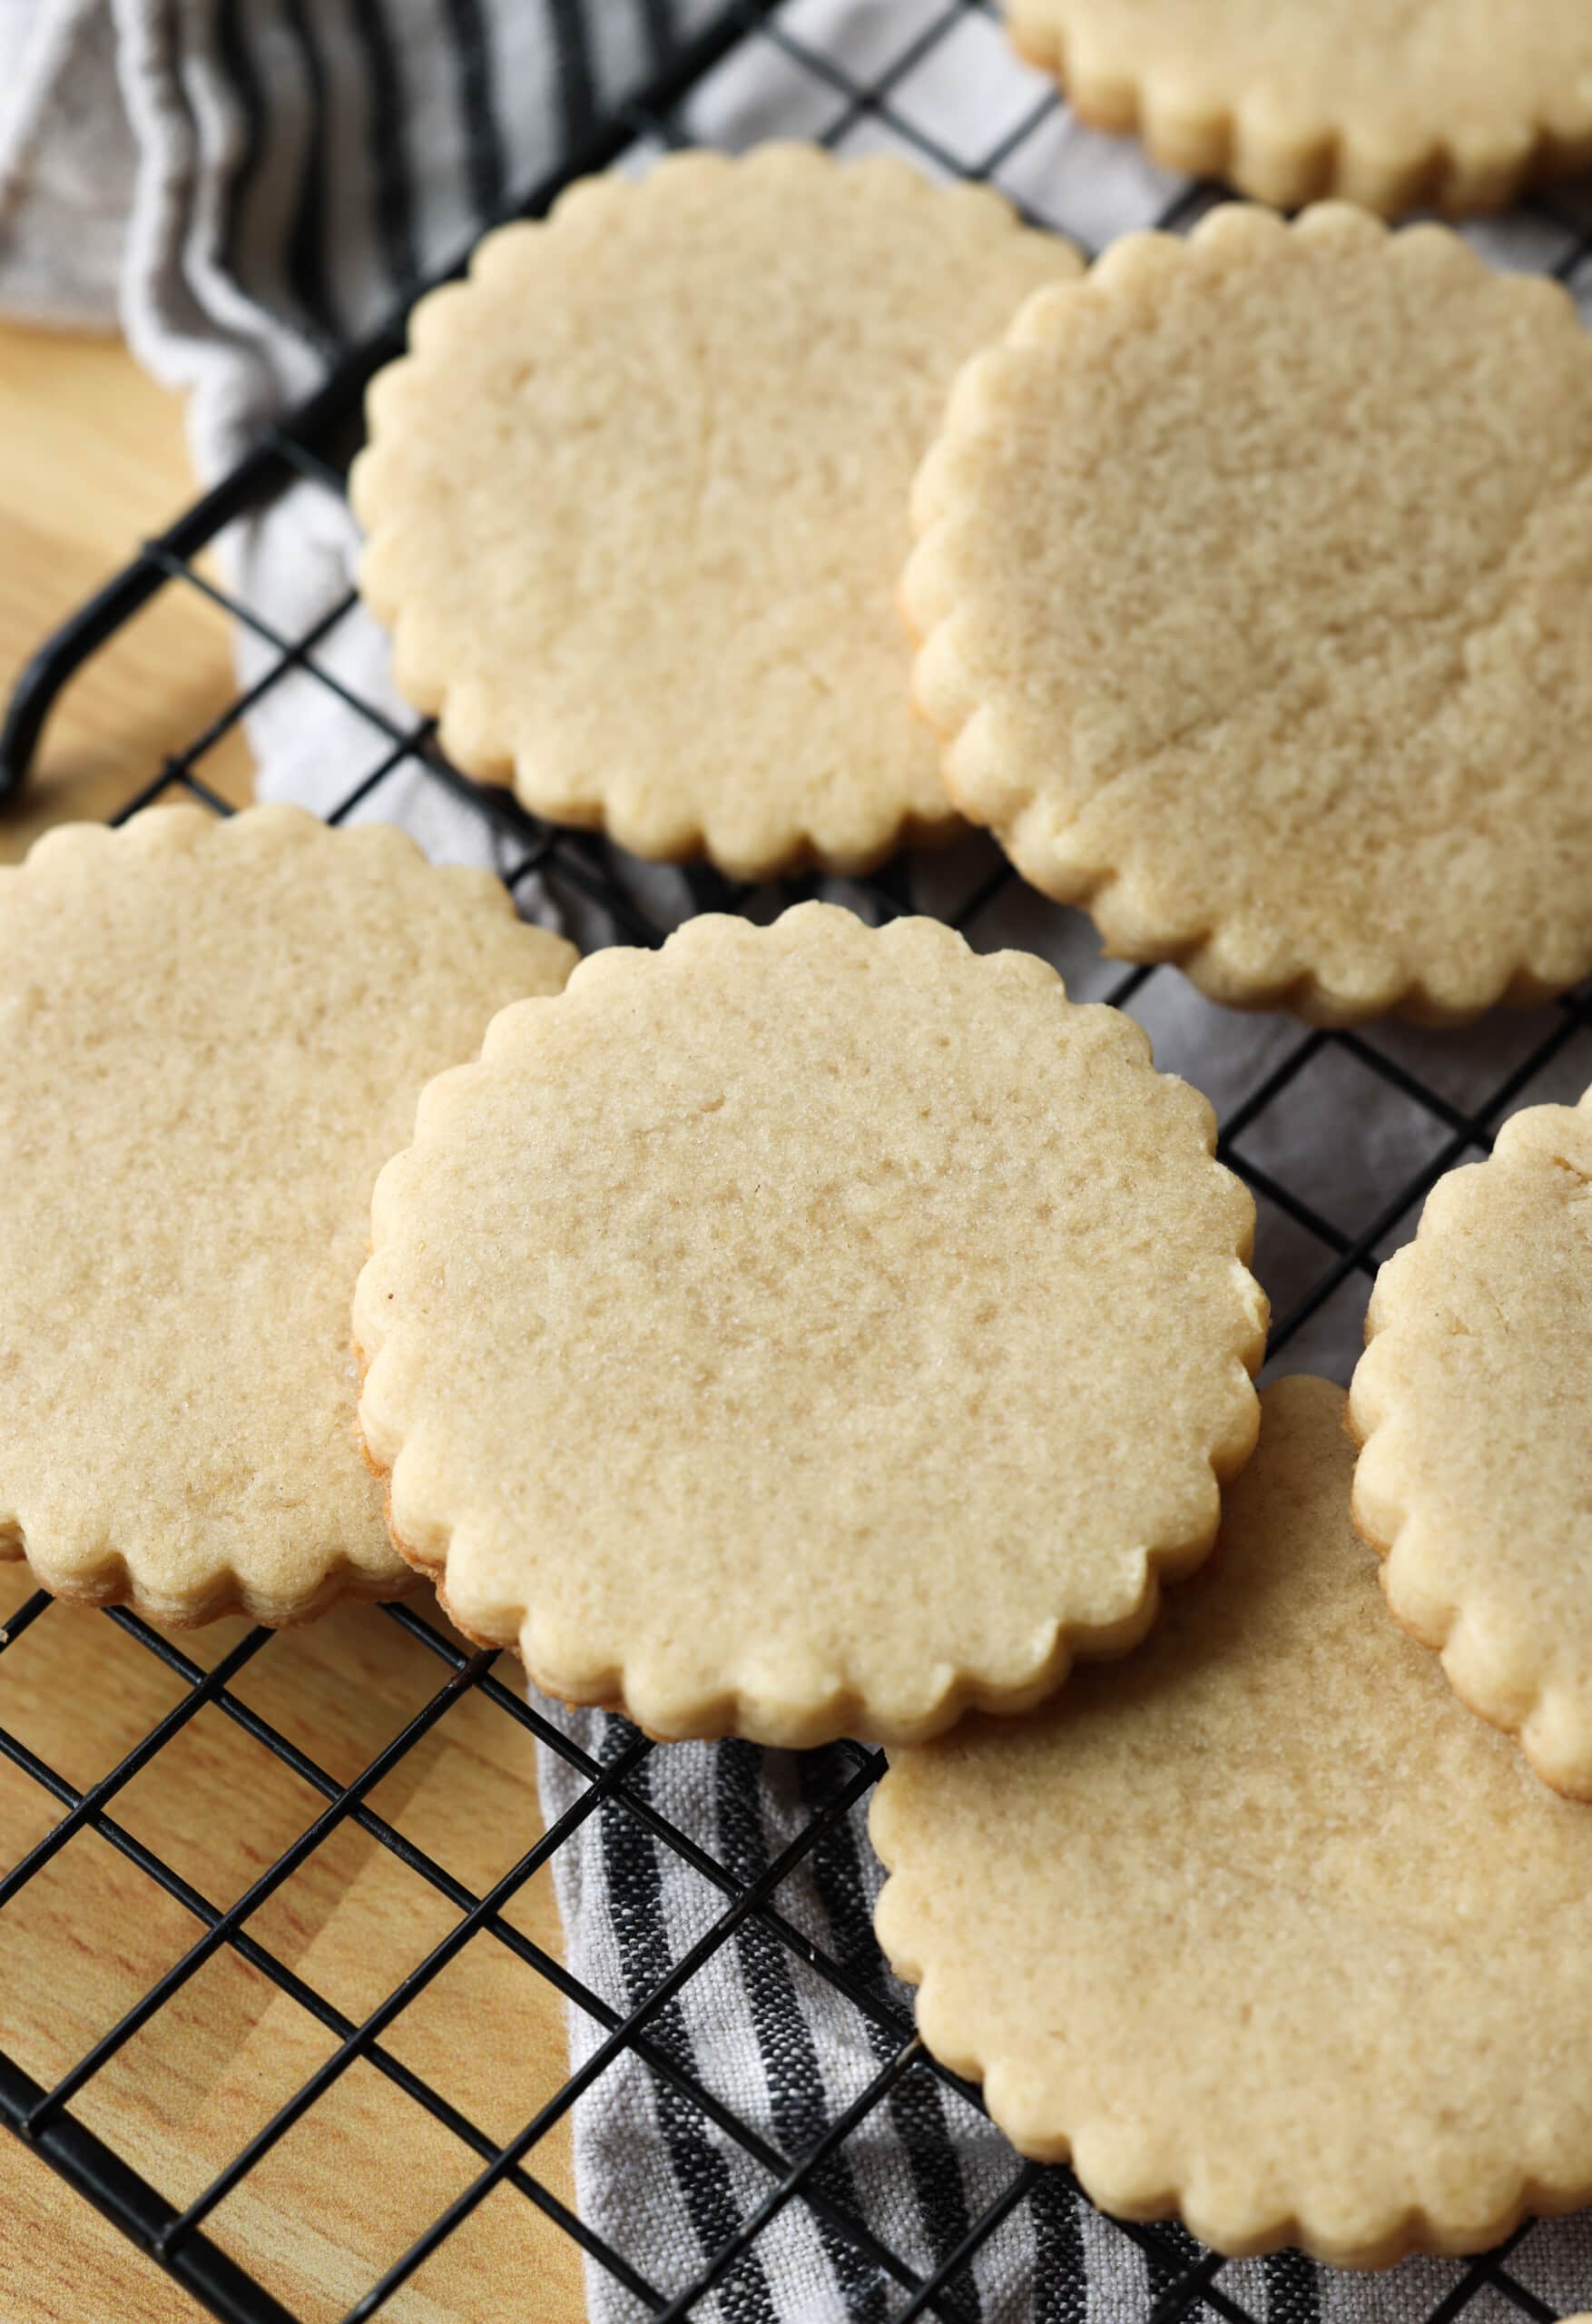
(1473, 1401)
(211, 1034)
(637, 498)
(770, 1335)
(1261, 1926)
(1453, 106)
(1251, 586)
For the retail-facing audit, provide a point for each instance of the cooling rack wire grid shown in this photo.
(1316, 1260)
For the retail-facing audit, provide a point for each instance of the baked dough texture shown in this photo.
(769, 1335)
(1451, 104)
(636, 498)
(212, 1034)
(1251, 582)
(1261, 1927)
(1473, 1401)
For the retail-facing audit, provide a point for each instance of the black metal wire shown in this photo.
(314, 446)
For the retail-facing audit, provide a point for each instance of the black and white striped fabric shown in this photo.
(250, 183)
(771, 2040)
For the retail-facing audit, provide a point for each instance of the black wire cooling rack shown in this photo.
(883, 84)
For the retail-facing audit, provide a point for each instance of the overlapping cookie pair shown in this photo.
(1246, 581)
(1263, 1927)
(724, 1312)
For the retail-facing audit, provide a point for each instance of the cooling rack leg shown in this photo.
(130, 2203)
(60, 657)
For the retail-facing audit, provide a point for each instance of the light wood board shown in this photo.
(91, 458)
(92, 463)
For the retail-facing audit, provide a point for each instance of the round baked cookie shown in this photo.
(1453, 104)
(1473, 1402)
(1261, 1929)
(636, 498)
(808, 1331)
(1250, 583)
(212, 1034)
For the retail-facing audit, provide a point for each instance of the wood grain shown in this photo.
(90, 456)
(92, 462)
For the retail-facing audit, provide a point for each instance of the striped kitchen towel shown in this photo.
(250, 183)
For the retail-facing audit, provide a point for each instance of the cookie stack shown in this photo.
(812, 1330)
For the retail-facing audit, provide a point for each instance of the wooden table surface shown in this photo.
(91, 459)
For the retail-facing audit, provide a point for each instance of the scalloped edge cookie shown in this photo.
(797, 1691)
(960, 682)
(646, 790)
(1503, 1683)
(86, 870)
(1290, 152)
(1105, 2086)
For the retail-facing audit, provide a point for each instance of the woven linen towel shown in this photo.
(251, 186)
